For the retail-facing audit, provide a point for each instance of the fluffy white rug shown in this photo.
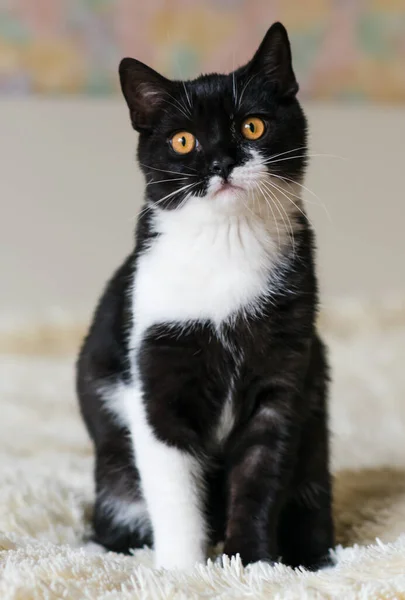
(46, 476)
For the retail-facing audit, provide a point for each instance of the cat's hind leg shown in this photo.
(306, 532)
(120, 520)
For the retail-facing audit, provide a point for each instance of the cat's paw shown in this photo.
(317, 564)
(93, 548)
(248, 552)
(178, 559)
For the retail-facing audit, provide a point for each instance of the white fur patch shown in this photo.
(171, 483)
(226, 420)
(133, 515)
(112, 395)
(199, 270)
(93, 548)
(172, 488)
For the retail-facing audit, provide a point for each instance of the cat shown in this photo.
(202, 381)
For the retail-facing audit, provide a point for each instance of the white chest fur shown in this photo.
(202, 266)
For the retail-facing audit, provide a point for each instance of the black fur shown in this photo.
(269, 489)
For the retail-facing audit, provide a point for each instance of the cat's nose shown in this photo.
(222, 167)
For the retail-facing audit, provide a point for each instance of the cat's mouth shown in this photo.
(226, 187)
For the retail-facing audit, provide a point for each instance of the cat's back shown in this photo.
(104, 353)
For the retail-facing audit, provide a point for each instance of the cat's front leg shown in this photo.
(172, 484)
(261, 462)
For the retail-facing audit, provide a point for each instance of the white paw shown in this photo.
(93, 548)
(179, 561)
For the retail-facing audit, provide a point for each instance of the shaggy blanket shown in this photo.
(46, 488)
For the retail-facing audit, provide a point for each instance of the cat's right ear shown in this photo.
(145, 91)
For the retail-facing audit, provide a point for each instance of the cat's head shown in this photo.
(230, 140)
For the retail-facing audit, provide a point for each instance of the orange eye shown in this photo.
(252, 128)
(183, 142)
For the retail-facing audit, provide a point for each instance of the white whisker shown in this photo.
(271, 161)
(179, 107)
(166, 171)
(278, 206)
(287, 180)
(145, 208)
(186, 197)
(269, 204)
(245, 205)
(244, 89)
(187, 96)
(183, 82)
(272, 184)
(290, 181)
(234, 88)
(287, 152)
(167, 180)
(184, 187)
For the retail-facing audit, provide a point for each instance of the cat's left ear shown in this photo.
(145, 91)
(273, 60)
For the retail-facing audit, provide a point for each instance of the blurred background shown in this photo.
(69, 186)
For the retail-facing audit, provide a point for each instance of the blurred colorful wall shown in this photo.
(343, 49)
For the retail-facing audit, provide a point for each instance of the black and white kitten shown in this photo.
(203, 381)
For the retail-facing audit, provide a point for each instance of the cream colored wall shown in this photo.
(70, 190)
